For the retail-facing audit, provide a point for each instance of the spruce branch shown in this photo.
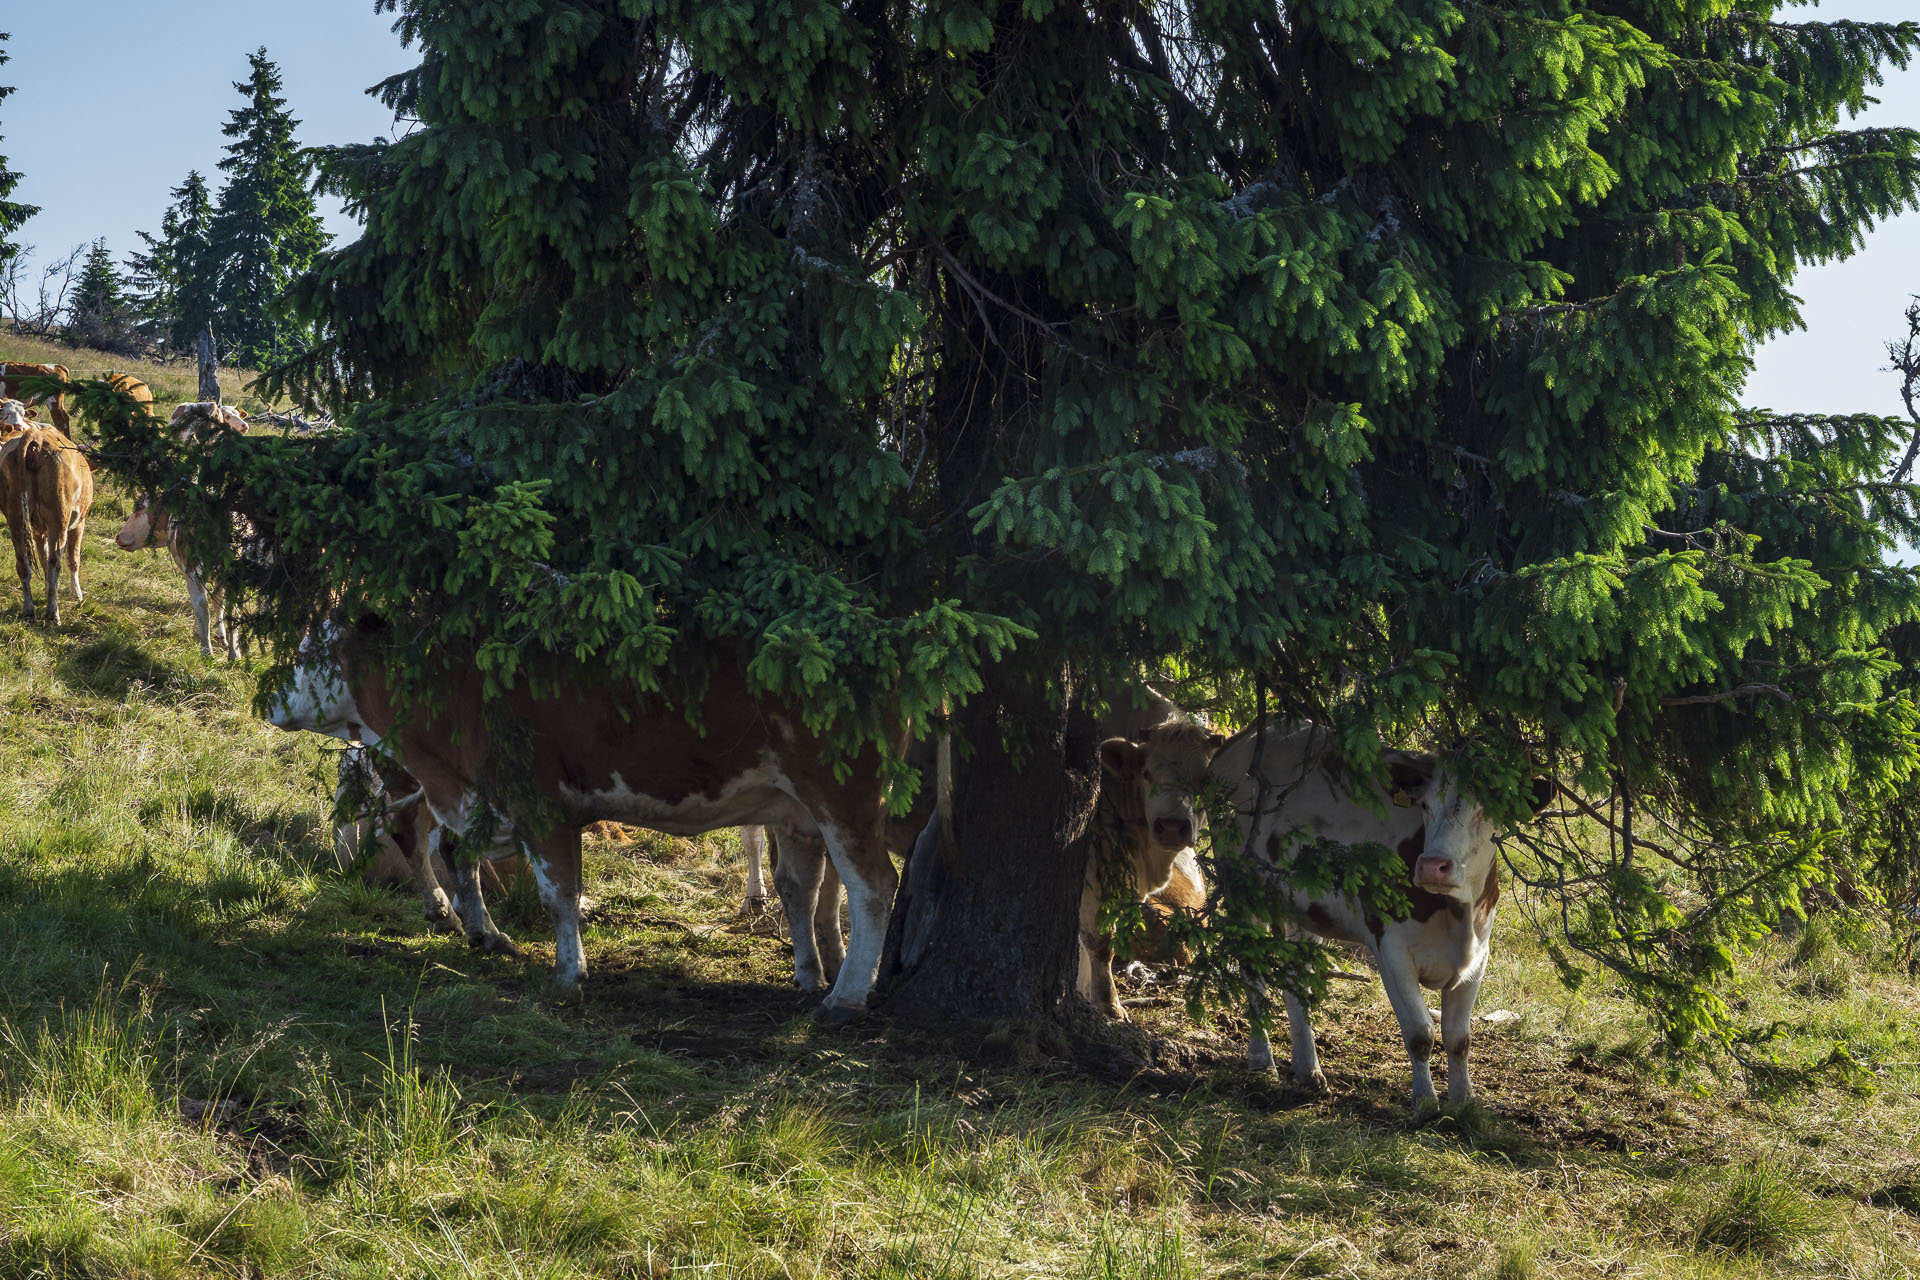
(1739, 691)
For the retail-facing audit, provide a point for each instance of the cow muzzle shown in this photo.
(1172, 833)
(1436, 872)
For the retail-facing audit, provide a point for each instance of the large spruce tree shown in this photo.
(1383, 358)
(12, 213)
(175, 283)
(265, 230)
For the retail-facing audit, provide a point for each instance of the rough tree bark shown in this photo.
(997, 910)
(209, 366)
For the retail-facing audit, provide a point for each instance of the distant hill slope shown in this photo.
(171, 383)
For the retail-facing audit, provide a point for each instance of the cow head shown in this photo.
(1458, 847)
(318, 699)
(145, 527)
(14, 415)
(1169, 764)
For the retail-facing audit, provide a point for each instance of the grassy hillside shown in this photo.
(220, 1058)
(171, 383)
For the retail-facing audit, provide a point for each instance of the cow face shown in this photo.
(319, 701)
(144, 528)
(1169, 764)
(14, 415)
(1459, 848)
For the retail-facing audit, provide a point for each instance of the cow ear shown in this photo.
(1123, 759)
(1410, 772)
(1215, 741)
(1543, 793)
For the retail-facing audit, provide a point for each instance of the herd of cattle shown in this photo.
(623, 756)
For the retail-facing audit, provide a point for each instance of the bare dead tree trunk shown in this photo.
(209, 367)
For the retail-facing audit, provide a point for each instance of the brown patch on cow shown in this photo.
(1320, 920)
(1489, 897)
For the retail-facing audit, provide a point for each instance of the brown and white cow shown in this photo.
(202, 419)
(12, 371)
(48, 490)
(142, 393)
(1143, 822)
(1447, 842)
(616, 753)
(150, 526)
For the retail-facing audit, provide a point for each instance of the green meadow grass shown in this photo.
(219, 1057)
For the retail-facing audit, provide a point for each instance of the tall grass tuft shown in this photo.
(1158, 1252)
(402, 1133)
(103, 1061)
(1824, 959)
(1757, 1209)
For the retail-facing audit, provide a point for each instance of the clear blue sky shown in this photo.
(119, 98)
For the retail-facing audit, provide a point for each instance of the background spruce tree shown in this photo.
(265, 230)
(1378, 363)
(100, 314)
(175, 282)
(12, 213)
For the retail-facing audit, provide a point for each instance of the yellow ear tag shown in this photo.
(1402, 800)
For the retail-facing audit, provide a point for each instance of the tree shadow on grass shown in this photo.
(116, 664)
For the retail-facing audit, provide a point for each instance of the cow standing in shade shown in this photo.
(1446, 840)
(611, 752)
(149, 526)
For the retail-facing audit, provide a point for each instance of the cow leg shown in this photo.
(798, 867)
(23, 561)
(470, 903)
(50, 547)
(219, 619)
(1306, 1055)
(1259, 1046)
(197, 600)
(75, 536)
(555, 862)
(1416, 1024)
(1456, 1033)
(826, 920)
(753, 846)
(413, 830)
(861, 859)
(1094, 982)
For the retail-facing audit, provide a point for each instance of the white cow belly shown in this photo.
(757, 797)
(1444, 949)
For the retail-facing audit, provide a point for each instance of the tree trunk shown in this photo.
(209, 366)
(993, 917)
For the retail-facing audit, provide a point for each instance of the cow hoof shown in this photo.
(839, 1015)
(1260, 1060)
(496, 944)
(1315, 1083)
(1425, 1109)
